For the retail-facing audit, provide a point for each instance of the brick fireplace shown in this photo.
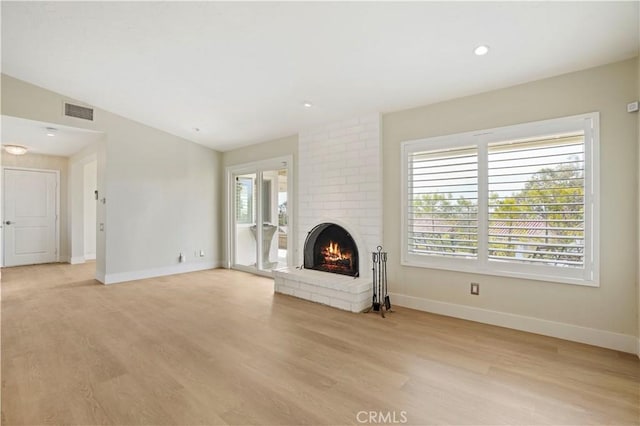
(339, 183)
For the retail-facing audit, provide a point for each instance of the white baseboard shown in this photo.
(81, 259)
(574, 333)
(100, 276)
(159, 272)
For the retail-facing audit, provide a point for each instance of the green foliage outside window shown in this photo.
(544, 222)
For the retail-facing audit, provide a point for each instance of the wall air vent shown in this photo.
(78, 111)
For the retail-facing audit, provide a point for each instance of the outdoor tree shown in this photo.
(544, 220)
(445, 224)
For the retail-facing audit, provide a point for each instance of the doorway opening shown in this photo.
(260, 231)
(48, 207)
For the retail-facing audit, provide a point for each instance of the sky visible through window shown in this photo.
(447, 169)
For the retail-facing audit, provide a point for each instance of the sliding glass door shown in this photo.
(260, 226)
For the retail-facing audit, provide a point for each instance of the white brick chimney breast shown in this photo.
(339, 181)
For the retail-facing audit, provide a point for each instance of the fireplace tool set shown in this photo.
(381, 301)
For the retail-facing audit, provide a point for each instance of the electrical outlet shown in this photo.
(201, 253)
(475, 289)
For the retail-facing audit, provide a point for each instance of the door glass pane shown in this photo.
(245, 215)
(275, 219)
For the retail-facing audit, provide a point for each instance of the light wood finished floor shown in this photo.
(217, 347)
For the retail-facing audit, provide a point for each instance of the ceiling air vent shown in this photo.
(78, 111)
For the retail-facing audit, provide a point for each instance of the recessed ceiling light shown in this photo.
(307, 104)
(51, 131)
(16, 149)
(196, 129)
(481, 50)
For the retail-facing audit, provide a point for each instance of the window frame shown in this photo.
(587, 275)
(248, 184)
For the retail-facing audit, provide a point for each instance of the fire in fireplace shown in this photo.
(330, 248)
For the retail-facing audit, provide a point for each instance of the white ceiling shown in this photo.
(33, 134)
(241, 71)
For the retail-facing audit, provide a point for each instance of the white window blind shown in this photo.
(517, 201)
(536, 201)
(443, 203)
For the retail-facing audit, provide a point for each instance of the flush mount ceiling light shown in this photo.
(307, 104)
(51, 131)
(481, 50)
(16, 149)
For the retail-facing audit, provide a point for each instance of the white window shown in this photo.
(443, 207)
(516, 201)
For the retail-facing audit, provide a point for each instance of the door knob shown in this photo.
(8, 222)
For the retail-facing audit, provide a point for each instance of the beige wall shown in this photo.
(162, 191)
(262, 151)
(89, 185)
(49, 162)
(613, 306)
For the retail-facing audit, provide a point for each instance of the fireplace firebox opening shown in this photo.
(330, 248)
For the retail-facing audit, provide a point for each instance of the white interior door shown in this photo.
(30, 198)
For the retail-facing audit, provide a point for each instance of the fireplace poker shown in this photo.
(375, 305)
(380, 295)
